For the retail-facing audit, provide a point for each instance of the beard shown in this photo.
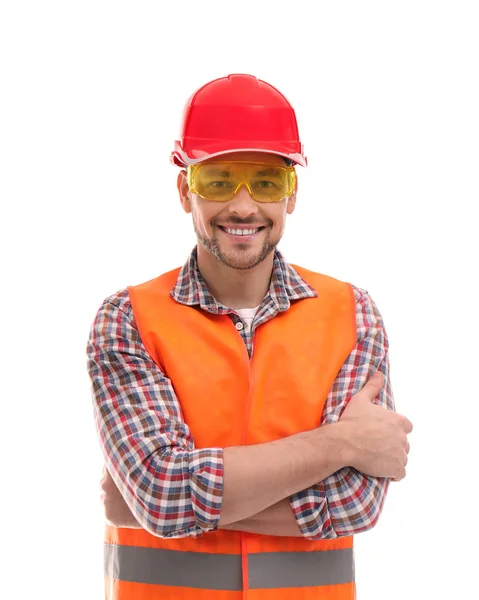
(243, 256)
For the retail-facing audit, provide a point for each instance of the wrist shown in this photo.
(335, 437)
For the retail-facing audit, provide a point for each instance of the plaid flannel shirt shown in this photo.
(175, 490)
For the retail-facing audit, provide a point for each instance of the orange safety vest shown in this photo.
(229, 400)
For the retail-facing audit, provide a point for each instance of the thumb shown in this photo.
(374, 384)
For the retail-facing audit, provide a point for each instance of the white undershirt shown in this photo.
(247, 314)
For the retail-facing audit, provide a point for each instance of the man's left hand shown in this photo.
(117, 511)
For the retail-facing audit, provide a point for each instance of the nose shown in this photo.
(242, 203)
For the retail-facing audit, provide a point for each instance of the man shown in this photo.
(239, 400)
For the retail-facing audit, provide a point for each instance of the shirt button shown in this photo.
(239, 325)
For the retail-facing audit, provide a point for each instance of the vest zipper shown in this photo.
(243, 534)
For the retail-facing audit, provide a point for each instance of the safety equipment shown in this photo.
(234, 114)
(220, 181)
(230, 399)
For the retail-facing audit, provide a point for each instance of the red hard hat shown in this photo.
(235, 114)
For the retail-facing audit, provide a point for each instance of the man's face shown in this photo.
(216, 224)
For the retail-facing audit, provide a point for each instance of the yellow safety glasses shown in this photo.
(220, 181)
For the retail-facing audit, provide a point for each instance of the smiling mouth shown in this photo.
(241, 233)
(238, 235)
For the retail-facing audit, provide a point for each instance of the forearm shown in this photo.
(356, 510)
(259, 476)
(277, 519)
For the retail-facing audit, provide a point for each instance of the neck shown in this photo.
(235, 288)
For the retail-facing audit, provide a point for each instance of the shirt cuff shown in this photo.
(206, 468)
(310, 509)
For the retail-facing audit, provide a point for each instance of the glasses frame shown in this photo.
(191, 170)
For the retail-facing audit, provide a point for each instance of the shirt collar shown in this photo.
(286, 285)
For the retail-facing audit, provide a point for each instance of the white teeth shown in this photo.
(241, 231)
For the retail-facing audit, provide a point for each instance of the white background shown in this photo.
(386, 95)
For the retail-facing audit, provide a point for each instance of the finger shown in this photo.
(407, 425)
(373, 386)
(104, 474)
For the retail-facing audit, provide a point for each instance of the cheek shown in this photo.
(278, 219)
(205, 214)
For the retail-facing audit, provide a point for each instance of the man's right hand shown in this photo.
(376, 437)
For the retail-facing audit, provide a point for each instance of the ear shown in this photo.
(184, 191)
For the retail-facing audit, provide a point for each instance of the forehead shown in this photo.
(263, 157)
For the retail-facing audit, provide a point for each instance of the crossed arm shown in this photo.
(277, 519)
(345, 503)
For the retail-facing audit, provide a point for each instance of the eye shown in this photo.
(264, 184)
(221, 184)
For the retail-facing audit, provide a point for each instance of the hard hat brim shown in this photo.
(181, 159)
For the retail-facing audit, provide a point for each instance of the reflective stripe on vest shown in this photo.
(223, 571)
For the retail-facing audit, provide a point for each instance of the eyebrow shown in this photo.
(270, 171)
(219, 172)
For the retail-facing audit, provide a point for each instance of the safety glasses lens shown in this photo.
(220, 181)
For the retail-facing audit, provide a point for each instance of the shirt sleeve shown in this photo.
(349, 502)
(173, 489)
